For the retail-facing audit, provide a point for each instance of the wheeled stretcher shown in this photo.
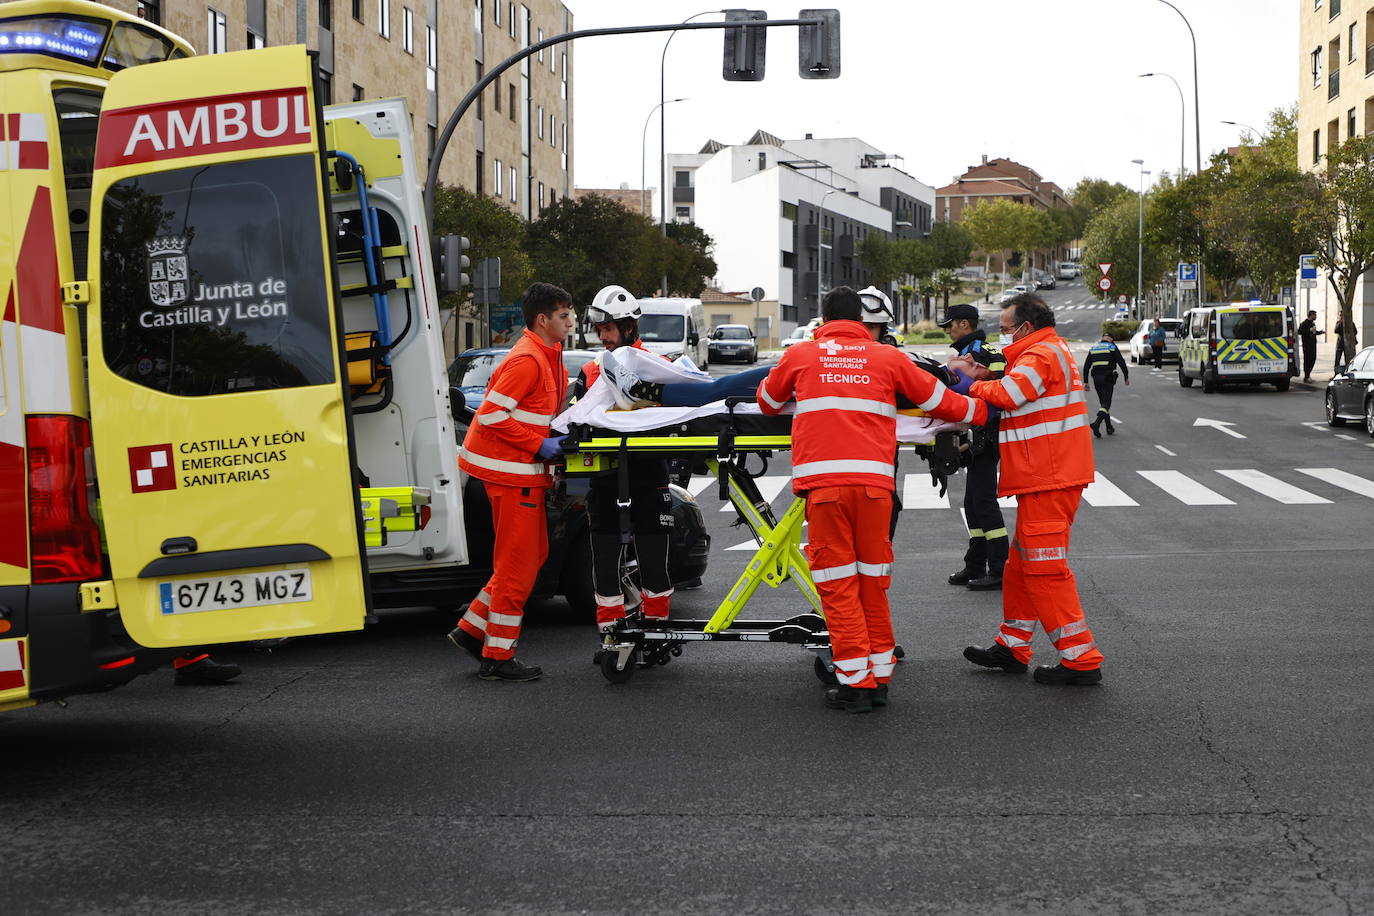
(723, 445)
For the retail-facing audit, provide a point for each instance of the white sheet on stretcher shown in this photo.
(598, 408)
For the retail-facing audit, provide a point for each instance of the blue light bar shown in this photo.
(79, 40)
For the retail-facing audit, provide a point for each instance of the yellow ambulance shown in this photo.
(222, 393)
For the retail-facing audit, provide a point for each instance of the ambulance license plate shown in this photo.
(1255, 365)
(223, 593)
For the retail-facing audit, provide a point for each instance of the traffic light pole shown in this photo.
(441, 144)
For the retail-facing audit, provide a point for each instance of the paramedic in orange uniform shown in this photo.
(506, 448)
(846, 385)
(1047, 460)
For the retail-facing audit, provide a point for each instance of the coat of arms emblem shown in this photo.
(167, 271)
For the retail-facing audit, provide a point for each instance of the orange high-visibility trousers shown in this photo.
(522, 545)
(1039, 587)
(850, 553)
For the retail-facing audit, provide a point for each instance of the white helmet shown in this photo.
(877, 307)
(612, 303)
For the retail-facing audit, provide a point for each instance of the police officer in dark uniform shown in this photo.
(1101, 363)
(987, 532)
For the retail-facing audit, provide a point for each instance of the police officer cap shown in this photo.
(964, 311)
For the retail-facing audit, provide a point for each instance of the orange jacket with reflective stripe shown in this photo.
(1043, 435)
(846, 384)
(523, 396)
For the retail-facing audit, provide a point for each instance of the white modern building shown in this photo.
(790, 215)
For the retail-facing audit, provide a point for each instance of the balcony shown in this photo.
(684, 195)
(1333, 85)
(810, 232)
(844, 247)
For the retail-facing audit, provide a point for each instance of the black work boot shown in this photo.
(991, 582)
(206, 671)
(1060, 676)
(508, 669)
(850, 699)
(1111, 430)
(879, 696)
(995, 656)
(466, 641)
(967, 574)
(1097, 427)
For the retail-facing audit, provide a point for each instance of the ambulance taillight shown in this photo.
(63, 537)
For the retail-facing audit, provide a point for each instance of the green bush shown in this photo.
(1120, 330)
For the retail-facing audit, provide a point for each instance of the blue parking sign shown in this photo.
(1307, 265)
(1187, 273)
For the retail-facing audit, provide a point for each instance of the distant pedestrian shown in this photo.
(1342, 355)
(1101, 364)
(1307, 333)
(1157, 344)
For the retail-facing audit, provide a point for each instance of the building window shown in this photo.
(510, 24)
(481, 173)
(431, 60)
(541, 122)
(407, 30)
(512, 184)
(540, 33)
(480, 103)
(789, 211)
(150, 11)
(1316, 67)
(326, 88)
(512, 101)
(541, 196)
(477, 16)
(1353, 49)
(384, 19)
(682, 178)
(1350, 124)
(358, 10)
(496, 11)
(357, 93)
(254, 40)
(496, 179)
(553, 131)
(326, 14)
(1335, 9)
(218, 40)
(496, 95)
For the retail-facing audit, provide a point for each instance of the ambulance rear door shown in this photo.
(219, 413)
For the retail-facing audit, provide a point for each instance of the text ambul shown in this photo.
(220, 124)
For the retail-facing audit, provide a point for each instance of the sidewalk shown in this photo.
(1324, 369)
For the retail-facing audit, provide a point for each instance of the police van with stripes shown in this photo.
(1240, 343)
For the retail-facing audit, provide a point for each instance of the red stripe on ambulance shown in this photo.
(11, 664)
(14, 521)
(199, 127)
(40, 288)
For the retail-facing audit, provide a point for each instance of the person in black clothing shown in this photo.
(1101, 364)
(1307, 333)
(1342, 357)
(987, 531)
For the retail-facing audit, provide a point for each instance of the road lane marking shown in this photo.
(1273, 488)
(697, 485)
(769, 488)
(1219, 426)
(1185, 489)
(1346, 437)
(1342, 479)
(919, 493)
(1102, 492)
(1166, 451)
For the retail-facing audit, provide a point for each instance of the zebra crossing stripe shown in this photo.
(1102, 492)
(697, 485)
(1342, 479)
(1185, 489)
(1273, 488)
(769, 488)
(919, 493)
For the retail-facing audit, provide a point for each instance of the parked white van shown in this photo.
(674, 327)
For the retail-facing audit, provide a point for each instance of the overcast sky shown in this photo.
(1050, 83)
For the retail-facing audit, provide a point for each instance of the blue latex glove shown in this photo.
(551, 448)
(959, 382)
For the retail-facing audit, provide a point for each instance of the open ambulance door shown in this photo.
(219, 415)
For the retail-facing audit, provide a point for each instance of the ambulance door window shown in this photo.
(78, 114)
(213, 280)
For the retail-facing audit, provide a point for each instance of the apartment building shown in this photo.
(1335, 103)
(789, 215)
(515, 144)
(1002, 179)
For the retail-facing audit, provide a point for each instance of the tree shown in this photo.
(494, 231)
(1090, 197)
(947, 281)
(950, 246)
(689, 261)
(1112, 236)
(906, 291)
(882, 258)
(1339, 214)
(994, 227)
(1252, 216)
(1178, 222)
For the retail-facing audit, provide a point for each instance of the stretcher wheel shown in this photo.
(611, 673)
(823, 673)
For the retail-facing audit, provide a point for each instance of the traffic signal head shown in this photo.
(818, 46)
(744, 47)
(453, 264)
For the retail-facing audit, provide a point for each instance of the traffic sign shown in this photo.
(1104, 268)
(1307, 266)
(1187, 272)
(1308, 284)
(1122, 299)
(1105, 283)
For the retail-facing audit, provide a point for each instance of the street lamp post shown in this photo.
(1259, 134)
(1197, 137)
(1140, 239)
(643, 143)
(1182, 119)
(663, 135)
(820, 247)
